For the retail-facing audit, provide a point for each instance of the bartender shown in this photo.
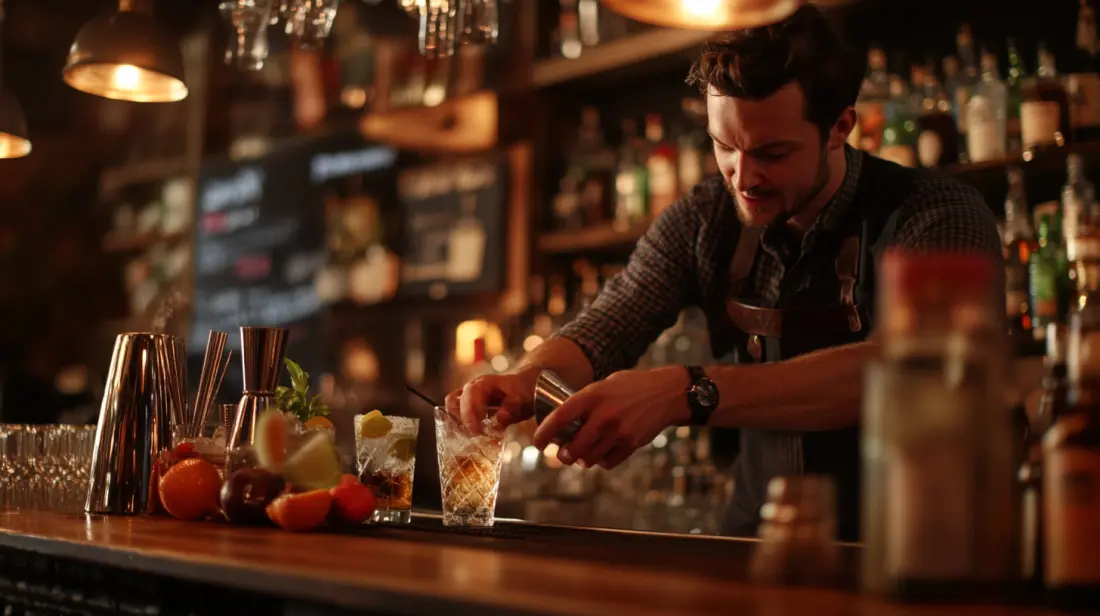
(780, 252)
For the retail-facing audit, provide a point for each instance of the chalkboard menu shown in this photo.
(454, 223)
(260, 241)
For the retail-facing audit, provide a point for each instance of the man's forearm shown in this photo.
(822, 390)
(564, 357)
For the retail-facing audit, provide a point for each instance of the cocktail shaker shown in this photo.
(550, 392)
(262, 351)
(143, 399)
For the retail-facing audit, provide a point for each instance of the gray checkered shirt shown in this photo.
(684, 258)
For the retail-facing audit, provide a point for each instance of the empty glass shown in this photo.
(386, 462)
(45, 467)
(310, 21)
(469, 469)
(479, 21)
(247, 48)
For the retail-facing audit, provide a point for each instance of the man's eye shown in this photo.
(772, 156)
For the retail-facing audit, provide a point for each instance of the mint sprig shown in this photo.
(296, 399)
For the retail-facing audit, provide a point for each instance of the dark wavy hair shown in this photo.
(756, 62)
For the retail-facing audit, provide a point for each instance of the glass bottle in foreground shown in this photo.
(940, 511)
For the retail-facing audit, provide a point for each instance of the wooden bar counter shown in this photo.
(160, 565)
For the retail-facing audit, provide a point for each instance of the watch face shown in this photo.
(705, 393)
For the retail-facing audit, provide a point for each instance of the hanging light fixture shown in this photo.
(13, 124)
(126, 56)
(706, 14)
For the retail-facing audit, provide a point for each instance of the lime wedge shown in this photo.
(404, 448)
(315, 466)
(374, 425)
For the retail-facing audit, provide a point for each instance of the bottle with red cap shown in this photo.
(940, 514)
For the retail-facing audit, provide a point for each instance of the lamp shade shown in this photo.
(705, 14)
(13, 127)
(126, 56)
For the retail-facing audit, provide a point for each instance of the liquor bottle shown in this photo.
(1078, 211)
(593, 163)
(1014, 81)
(987, 137)
(631, 180)
(1044, 107)
(1052, 405)
(588, 20)
(1044, 271)
(1071, 473)
(466, 244)
(938, 137)
(899, 133)
(691, 152)
(1019, 239)
(874, 95)
(695, 109)
(1083, 82)
(967, 79)
(589, 276)
(661, 163)
(940, 509)
(568, 34)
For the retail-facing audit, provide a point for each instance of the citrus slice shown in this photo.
(374, 425)
(315, 466)
(404, 448)
(300, 512)
(318, 422)
(272, 439)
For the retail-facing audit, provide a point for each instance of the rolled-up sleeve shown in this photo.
(634, 307)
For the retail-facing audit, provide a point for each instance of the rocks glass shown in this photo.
(469, 469)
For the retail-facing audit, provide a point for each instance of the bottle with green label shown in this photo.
(1046, 268)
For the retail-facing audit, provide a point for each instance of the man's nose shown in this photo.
(745, 174)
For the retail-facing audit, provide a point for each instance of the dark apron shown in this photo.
(804, 322)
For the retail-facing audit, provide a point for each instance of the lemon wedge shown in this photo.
(374, 425)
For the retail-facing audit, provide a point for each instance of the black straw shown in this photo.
(422, 396)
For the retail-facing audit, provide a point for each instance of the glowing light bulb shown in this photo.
(701, 8)
(126, 77)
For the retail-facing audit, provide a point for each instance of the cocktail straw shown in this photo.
(215, 345)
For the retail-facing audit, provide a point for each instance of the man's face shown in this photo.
(772, 158)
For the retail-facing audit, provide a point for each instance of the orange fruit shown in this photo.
(318, 422)
(190, 489)
(272, 440)
(300, 512)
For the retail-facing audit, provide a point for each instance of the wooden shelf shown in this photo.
(600, 238)
(618, 54)
(1045, 156)
(130, 242)
(144, 172)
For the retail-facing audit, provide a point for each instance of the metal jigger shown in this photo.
(143, 399)
(262, 350)
(550, 392)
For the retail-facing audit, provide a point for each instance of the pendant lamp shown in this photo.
(126, 56)
(13, 124)
(707, 14)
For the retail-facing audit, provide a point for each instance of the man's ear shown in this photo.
(843, 127)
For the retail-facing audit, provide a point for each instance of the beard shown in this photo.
(821, 178)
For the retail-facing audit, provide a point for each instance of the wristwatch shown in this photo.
(702, 395)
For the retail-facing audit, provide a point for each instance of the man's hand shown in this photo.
(620, 414)
(513, 394)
